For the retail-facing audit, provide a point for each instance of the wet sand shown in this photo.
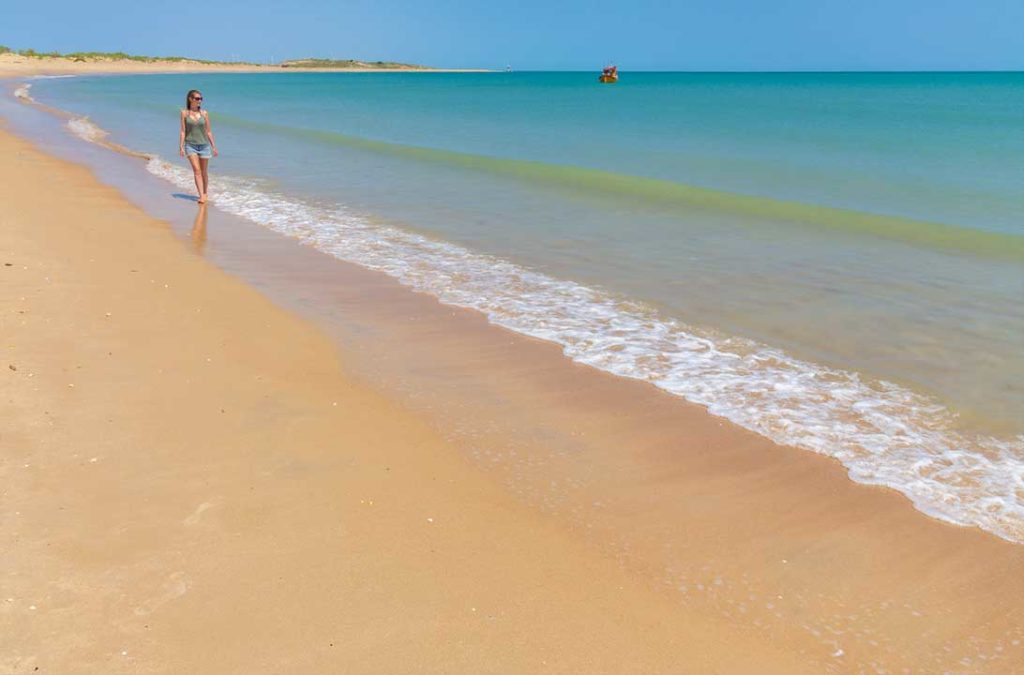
(771, 539)
(594, 524)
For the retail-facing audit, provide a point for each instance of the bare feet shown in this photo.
(202, 199)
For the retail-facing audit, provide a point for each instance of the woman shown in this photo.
(196, 140)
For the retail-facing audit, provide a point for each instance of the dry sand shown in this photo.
(191, 483)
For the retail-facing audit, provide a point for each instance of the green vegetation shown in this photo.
(4, 50)
(119, 56)
(350, 63)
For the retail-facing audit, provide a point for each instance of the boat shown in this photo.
(609, 75)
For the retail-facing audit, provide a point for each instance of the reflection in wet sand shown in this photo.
(198, 234)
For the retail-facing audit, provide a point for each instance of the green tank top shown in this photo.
(195, 130)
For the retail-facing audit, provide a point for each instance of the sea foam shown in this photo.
(883, 433)
(85, 129)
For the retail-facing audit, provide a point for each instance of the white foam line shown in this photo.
(86, 130)
(884, 434)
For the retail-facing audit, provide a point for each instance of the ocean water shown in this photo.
(835, 261)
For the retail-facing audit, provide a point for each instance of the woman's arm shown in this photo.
(181, 135)
(209, 133)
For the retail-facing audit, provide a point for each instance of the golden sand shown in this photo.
(191, 483)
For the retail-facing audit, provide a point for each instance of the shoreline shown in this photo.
(677, 477)
(15, 65)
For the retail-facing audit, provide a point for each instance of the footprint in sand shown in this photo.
(198, 513)
(175, 587)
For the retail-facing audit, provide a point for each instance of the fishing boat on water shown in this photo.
(609, 75)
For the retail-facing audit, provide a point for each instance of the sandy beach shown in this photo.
(197, 479)
(192, 484)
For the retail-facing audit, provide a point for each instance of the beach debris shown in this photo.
(430, 520)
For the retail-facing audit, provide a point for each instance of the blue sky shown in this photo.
(639, 35)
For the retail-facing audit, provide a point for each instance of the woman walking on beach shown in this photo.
(196, 140)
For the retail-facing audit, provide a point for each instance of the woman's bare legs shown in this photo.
(197, 173)
(204, 165)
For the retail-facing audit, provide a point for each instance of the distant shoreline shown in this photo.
(13, 65)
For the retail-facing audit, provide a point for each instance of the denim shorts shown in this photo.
(201, 149)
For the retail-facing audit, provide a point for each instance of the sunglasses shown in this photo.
(197, 98)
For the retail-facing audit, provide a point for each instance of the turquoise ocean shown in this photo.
(834, 261)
